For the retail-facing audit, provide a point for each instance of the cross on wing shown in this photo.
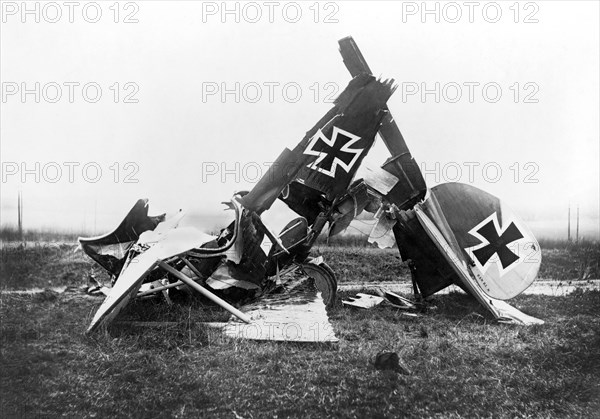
(333, 152)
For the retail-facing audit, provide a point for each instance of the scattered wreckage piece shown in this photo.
(94, 287)
(363, 301)
(367, 301)
(390, 361)
(397, 300)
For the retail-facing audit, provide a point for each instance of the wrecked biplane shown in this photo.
(313, 179)
(452, 233)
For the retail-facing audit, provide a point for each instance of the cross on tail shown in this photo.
(498, 244)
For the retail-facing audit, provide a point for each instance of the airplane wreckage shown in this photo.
(450, 234)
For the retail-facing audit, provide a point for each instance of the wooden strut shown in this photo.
(245, 318)
(157, 289)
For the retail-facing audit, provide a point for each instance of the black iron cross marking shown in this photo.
(332, 153)
(498, 244)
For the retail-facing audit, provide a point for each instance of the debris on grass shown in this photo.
(365, 301)
(390, 361)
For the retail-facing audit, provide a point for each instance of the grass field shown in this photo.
(463, 364)
(43, 264)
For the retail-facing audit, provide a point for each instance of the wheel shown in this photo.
(324, 281)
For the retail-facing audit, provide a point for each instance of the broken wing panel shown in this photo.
(382, 231)
(110, 250)
(166, 245)
(127, 286)
(411, 187)
(327, 157)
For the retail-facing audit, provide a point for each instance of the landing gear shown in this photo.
(324, 280)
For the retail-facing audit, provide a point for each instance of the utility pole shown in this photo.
(577, 228)
(20, 215)
(569, 224)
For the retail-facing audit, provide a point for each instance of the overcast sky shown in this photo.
(185, 102)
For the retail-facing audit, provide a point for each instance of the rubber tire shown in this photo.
(324, 281)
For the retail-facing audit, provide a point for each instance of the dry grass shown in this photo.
(45, 265)
(11, 233)
(365, 264)
(372, 264)
(463, 364)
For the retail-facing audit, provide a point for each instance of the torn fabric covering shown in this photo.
(349, 207)
(294, 314)
(379, 180)
(382, 232)
(110, 250)
(222, 279)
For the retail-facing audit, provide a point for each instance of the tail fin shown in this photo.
(492, 252)
(501, 310)
(500, 250)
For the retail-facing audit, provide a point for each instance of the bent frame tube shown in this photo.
(245, 318)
